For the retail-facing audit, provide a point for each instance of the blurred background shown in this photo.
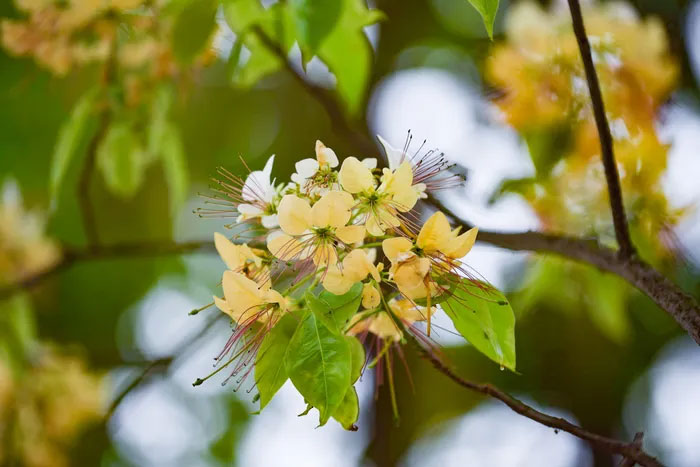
(124, 109)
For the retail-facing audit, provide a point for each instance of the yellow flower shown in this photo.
(241, 258)
(246, 302)
(312, 231)
(381, 206)
(437, 246)
(383, 326)
(308, 169)
(356, 266)
(371, 297)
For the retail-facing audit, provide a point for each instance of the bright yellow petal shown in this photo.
(332, 210)
(462, 245)
(336, 282)
(350, 233)
(370, 297)
(435, 233)
(294, 215)
(355, 176)
(394, 246)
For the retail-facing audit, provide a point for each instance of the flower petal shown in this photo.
(230, 253)
(350, 233)
(306, 168)
(332, 210)
(370, 163)
(462, 245)
(325, 255)
(248, 210)
(394, 156)
(354, 176)
(294, 215)
(325, 155)
(336, 282)
(435, 233)
(383, 326)
(286, 247)
(242, 295)
(270, 222)
(370, 296)
(394, 246)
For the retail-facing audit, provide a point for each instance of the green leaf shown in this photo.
(348, 411)
(342, 307)
(487, 9)
(160, 111)
(174, 161)
(357, 352)
(270, 370)
(521, 186)
(319, 364)
(193, 28)
(121, 160)
(484, 317)
(348, 54)
(314, 20)
(606, 298)
(72, 134)
(547, 146)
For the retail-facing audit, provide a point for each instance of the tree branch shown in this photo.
(632, 451)
(606, 142)
(72, 256)
(681, 306)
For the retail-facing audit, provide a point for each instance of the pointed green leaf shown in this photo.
(484, 317)
(270, 371)
(314, 20)
(357, 351)
(487, 9)
(72, 134)
(606, 298)
(319, 364)
(348, 411)
(192, 29)
(121, 160)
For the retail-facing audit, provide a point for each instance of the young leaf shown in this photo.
(484, 318)
(342, 307)
(348, 411)
(314, 20)
(319, 364)
(348, 54)
(70, 137)
(192, 29)
(487, 9)
(270, 371)
(174, 165)
(121, 160)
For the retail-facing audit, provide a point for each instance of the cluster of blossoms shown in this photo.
(24, 249)
(45, 407)
(544, 91)
(62, 35)
(342, 231)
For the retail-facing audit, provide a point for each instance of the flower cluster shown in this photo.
(340, 245)
(24, 249)
(62, 35)
(545, 95)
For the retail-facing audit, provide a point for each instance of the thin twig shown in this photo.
(637, 441)
(629, 450)
(606, 142)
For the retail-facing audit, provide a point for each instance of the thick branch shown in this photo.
(632, 451)
(72, 256)
(606, 142)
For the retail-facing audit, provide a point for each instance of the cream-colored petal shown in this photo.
(407, 310)
(354, 176)
(242, 294)
(286, 247)
(332, 210)
(230, 253)
(394, 156)
(325, 255)
(336, 282)
(270, 222)
(306, 168)
(435, 233)
(370, 162)
(373, 226)
(410, 275)
(325, 155)
(223, 306)
(383, 326)
(462, 245)
(394, 246)
(370, 297)
(350, 233)
(360, 322)
(294, 215)
(404, 198)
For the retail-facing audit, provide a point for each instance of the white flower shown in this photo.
(307, 168)
(259, 191)
(394, 156)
